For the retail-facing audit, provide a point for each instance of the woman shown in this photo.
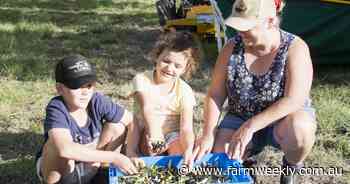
(266, 74)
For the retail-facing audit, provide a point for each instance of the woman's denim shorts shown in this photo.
(264, 136)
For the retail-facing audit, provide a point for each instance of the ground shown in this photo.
(117, 36)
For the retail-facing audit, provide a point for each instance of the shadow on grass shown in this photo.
(75, 5)
(36, 34)
(33, 60)
(22, 170)
(34, 39)
(19, 145)
(17, 157)
(73, 18)
(334, 75)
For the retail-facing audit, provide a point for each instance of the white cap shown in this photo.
(246, 14)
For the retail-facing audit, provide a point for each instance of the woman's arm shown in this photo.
(217, 94)
(299, 74)
(213, 102)
(297, 89)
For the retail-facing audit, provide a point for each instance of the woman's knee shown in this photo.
(297, 130)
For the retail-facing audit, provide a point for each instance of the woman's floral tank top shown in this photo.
(249, 94)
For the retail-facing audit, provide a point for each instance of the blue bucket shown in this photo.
(231, 168)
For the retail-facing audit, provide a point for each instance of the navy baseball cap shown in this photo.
(74, 71)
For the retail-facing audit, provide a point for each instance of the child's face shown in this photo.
(170, 65)
(77, 98)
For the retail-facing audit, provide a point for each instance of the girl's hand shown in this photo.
(156, 146)
(139, 163)
(239, 142)
(188, 158)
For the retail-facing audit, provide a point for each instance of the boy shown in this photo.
(82, 128)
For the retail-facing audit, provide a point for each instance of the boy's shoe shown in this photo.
(290, 174)
(101, 176)
(82, 174)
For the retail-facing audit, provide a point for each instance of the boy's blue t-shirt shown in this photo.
(100, 109)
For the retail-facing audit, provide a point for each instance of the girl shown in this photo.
(165, 102)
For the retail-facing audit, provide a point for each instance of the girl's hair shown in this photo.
(179, 41)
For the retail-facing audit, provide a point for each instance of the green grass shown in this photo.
(117, 35)
(331, 96)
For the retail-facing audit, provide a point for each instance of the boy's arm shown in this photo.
(62, 142)
(118, 131)
(127, 118)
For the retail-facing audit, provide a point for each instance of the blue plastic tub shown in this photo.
(218, 160)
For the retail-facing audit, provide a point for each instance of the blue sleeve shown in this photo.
(107, 109)
(55, 116)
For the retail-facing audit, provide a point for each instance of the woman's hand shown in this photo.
(239, 142)
(203, 146)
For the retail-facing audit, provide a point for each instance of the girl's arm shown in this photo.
(133, 139)
(133, 143)
(150, 122)
(141, 85)
(186, 133)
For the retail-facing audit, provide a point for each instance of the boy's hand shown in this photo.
(124, 164)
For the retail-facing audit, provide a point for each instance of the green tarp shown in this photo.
(324, 26)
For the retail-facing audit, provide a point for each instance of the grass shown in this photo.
(117, 35)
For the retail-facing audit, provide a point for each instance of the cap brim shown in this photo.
(240, 24)
(78, 82)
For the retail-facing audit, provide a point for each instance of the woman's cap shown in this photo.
(74, 71)
(246, 14)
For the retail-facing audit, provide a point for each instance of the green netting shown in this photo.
(324, 26)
